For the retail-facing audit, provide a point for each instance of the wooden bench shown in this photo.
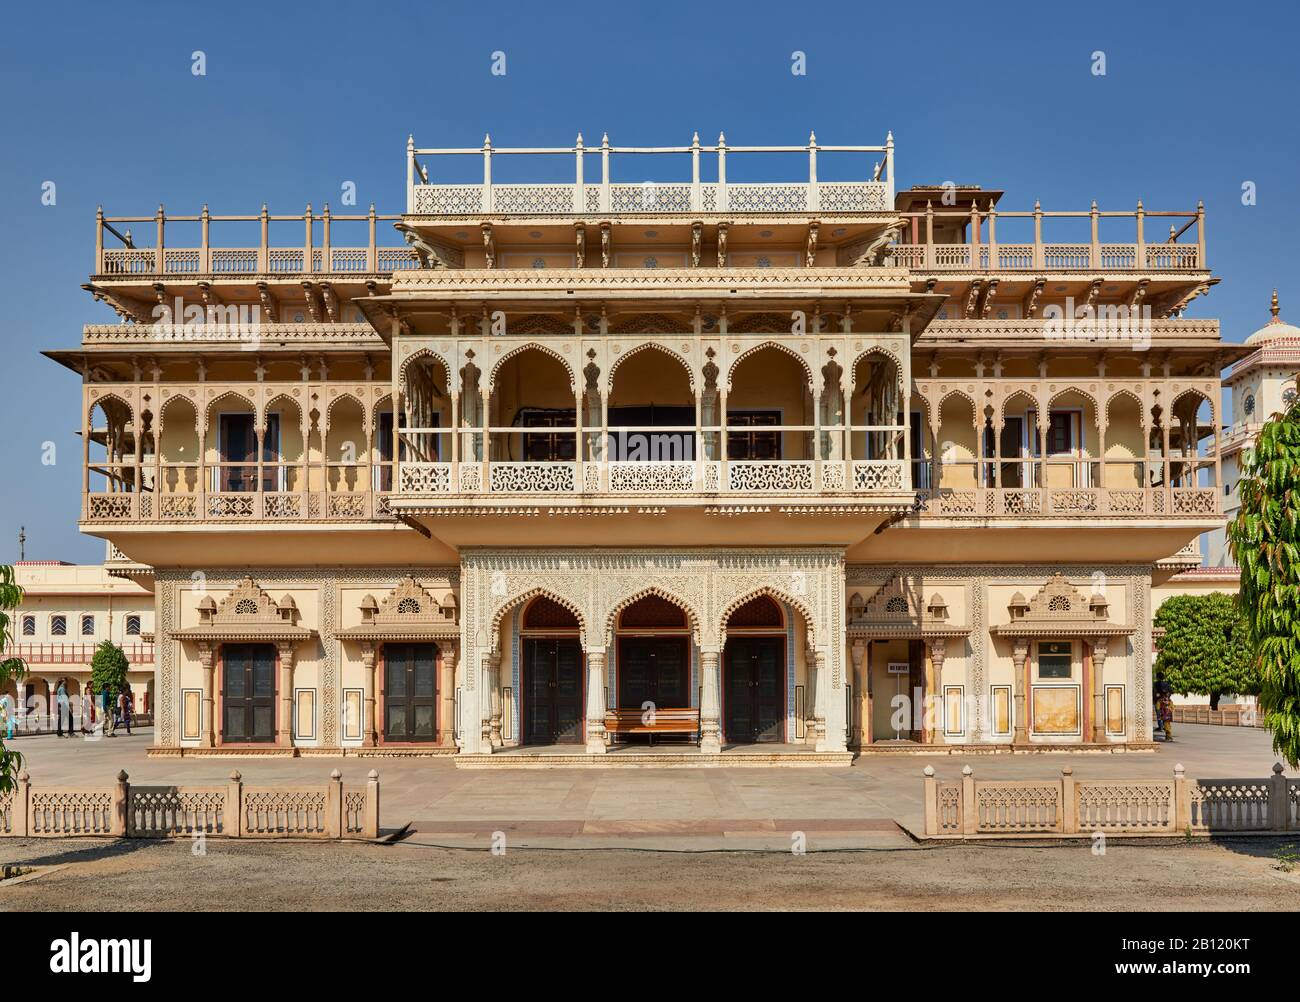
(679, 722)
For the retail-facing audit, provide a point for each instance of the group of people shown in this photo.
(1162, 706)
(115, 711)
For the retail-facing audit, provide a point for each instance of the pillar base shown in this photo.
(596, 744)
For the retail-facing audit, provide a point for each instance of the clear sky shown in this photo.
(1197, 99)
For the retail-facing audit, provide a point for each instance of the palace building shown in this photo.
(572, 469)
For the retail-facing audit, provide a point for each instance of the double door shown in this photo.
(754, 689)
(653, 670)
(410, 692)
(247, 693)
(552, 705)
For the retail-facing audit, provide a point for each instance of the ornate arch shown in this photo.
(649, 346)
(329, 407)
(1001, 412)
(526, 596)
(877, 349)
(530, 346)
(424, 352)
(781, 596)
(229, 395)
(105, 398)
(1143, 416)
(692, 614)
(955, 392)
(1090, 397)
(763, 346)
(1194, 391)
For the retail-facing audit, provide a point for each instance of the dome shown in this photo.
(1275, 330)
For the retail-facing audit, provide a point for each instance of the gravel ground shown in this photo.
(101, 876)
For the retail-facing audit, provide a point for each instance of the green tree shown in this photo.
(11, 595)
(108, 671)
(1265, 540)
(1206, 646)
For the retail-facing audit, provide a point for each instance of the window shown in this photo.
(1055, 659)
(87, 626)
(133, 626)
(29, 626)
(58, 626)
(920, 468)
(753, 444)
(238, 445)
(555, 447)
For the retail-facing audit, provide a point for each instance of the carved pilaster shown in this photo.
(447, 696)
(284, 730)
(1100, 647)
(938, 648)
(369, 737)
(1020, 655)
(493, 701)
(710, 720)
(206, 725)
(595, 702)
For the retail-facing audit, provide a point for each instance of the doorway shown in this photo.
(552, 682)
(754, 690)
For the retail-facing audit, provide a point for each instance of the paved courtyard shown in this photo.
(644, 807)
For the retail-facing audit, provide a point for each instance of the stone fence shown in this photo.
(1245, 715)
(971, 808)
(231, 810)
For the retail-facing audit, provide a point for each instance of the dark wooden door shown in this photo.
(247, 693)
(754, 689)
(552, 704)
(410, 692)
(653, 670)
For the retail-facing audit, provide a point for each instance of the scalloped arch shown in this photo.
(334, 401)
(526, 596)
(650, 346)
(691, 613)
(1090, 397)
(956, 392)
(425, 352)
(755, 349)
(99, 402)
(162, 411)
(1193, 391)
(780, 595)
(1143, 416)
(229, 395)
(531, 346)
(877, 349)
(1001, 412)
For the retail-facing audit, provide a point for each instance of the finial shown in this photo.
(1094, 205)
(967, 771)
(1277, 768)
(410, 140)
(812, 137)
(889, 137)
(1275, 309)
(1037, 206)
(579, 138)
(928, 770)
(722, 139)
(604, 139)
(695, 139)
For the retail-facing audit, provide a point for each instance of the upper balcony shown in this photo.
(949, 241)
(606, 197)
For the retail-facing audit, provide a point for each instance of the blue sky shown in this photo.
(300, 97)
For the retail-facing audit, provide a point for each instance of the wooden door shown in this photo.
(653, 670)
(410, 692)
(754, 689)
(247, 693)
(552, 704)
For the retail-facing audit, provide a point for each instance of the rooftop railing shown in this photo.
(308, 257)
(872, 195)
(917, 249)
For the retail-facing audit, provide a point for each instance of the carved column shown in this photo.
(1020, 654)
(595, 702)
(862, 681)
(813, 701)
(206, 725)
(1099, 651)
(368, 736)
(710, 719)
(817, 661)
(490, 705)
(284, 735)
(938, 648)
(447, 696)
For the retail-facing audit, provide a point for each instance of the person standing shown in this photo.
(124, 709)
(106, 708)
(63, 706)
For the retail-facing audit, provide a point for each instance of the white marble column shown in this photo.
(1020, 655)
(1100, 646)
(710, 703)
(812, 699)
(369, 737)
(284, 736)
(207, 726)
(832, 717)
(595, 702)
(447, 696)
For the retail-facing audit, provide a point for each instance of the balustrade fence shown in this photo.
(1228, 716)
(231, 810)
(1068, 806)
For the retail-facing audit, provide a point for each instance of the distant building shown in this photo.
(67, 611)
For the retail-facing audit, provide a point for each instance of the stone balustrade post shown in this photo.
(232, 822)
(334, 806)
(1278, 818)
(1069, 817)
(21, 807)
(1182, 819)
(931, 801)
(371, 825)
(117, 822)
(969, 808)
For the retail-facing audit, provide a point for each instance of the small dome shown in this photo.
(207, 604)
(288, 603)
(1276, 329)
(368, 604)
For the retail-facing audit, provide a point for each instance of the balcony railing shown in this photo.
(236, 506)
(674, 478)
(873, 195)
(981, 250)
(1065, 502)
(72, 653)
(308, 257)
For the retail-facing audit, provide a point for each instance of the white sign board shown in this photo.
(899, 668)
